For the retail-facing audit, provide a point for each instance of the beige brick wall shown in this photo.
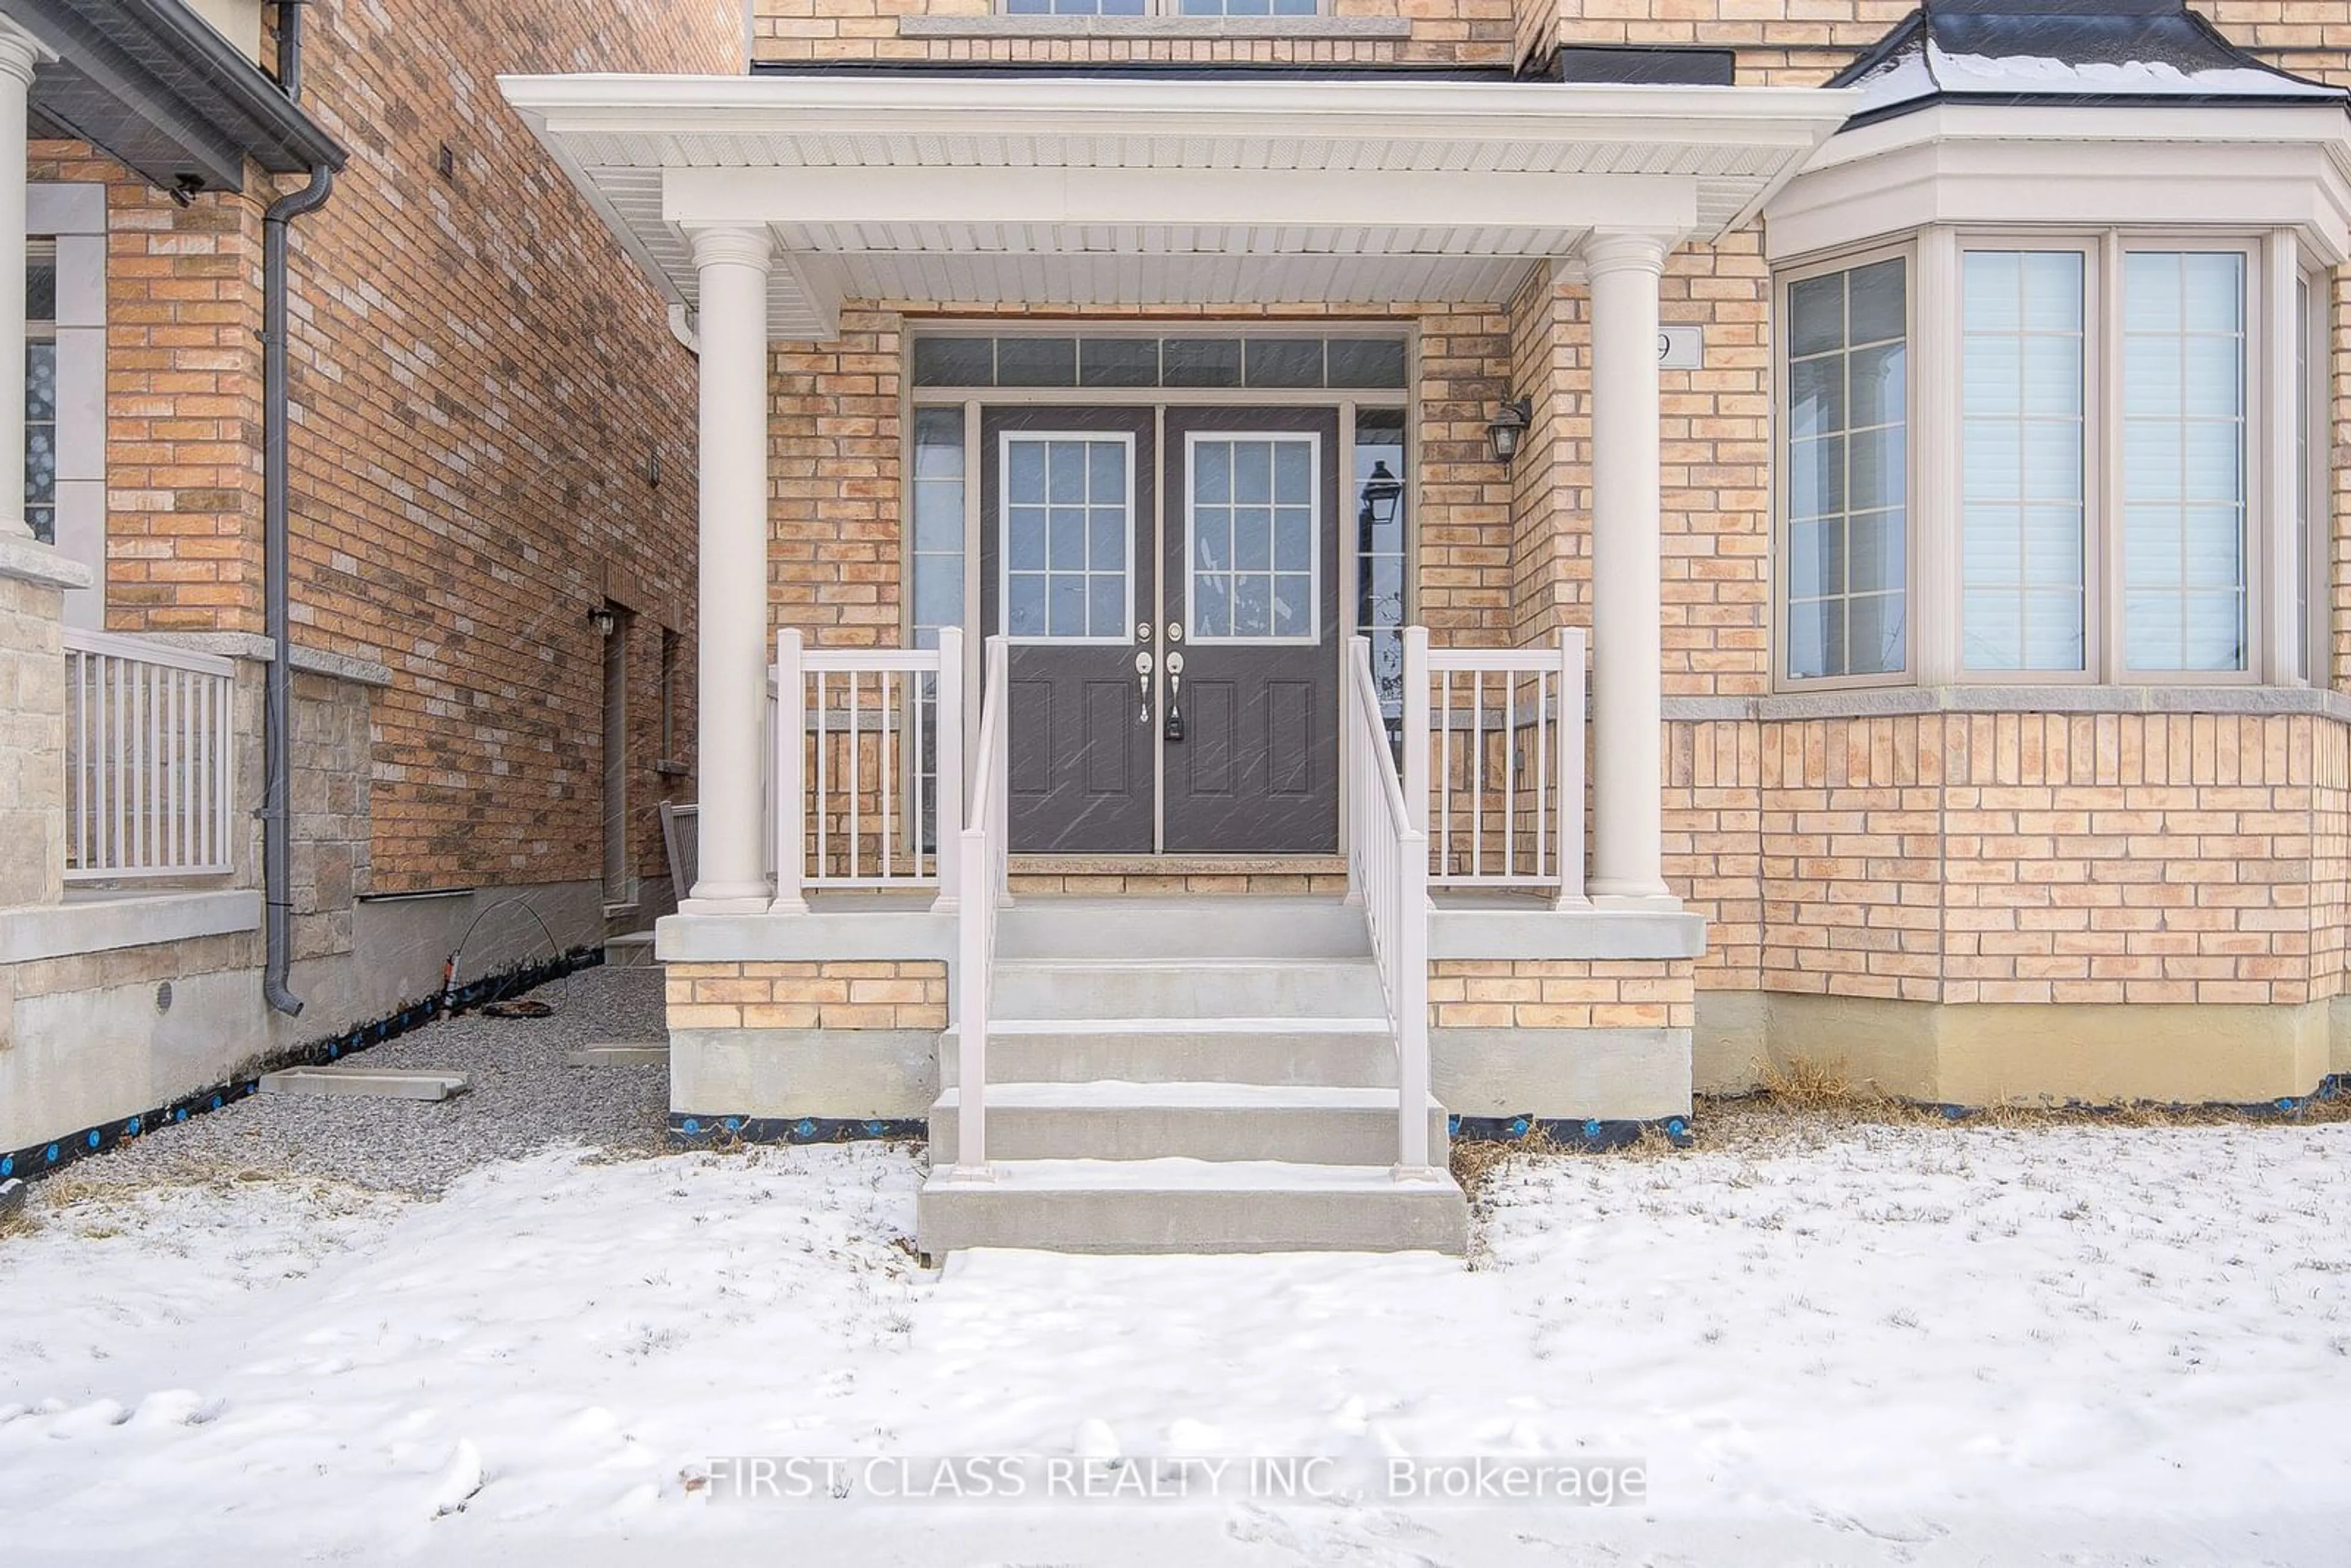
(2026, 857)
(1559, 993)
(183, 400)
(902, 994)
(1444, 32)
(480, 379)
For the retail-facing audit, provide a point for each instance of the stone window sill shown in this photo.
(1875, 702)
(1349, 28)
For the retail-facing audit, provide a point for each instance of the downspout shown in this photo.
(276, 692)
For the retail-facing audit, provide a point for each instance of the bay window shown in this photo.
(2021, 469)
(1846, 460)
(2108, 424)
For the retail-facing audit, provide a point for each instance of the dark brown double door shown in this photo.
(1167, 581)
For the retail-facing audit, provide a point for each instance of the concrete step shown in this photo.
(629, 950)
(1115, 928)
(1190, 1206)
(1185, 988)
(379, 1082)
(1110, 1120)
(1340, 1053)
(620, 1053)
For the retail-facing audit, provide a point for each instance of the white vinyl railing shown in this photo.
(868, 778)
(1387, 873)
(983, 847)
(150, 763)
(1504, 729)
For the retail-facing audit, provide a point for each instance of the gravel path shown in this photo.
(523, 1098)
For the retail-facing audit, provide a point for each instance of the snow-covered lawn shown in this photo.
(1859, 1344)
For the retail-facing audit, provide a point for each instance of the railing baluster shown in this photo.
(146, 789)
(885, 774)
(1542, 775)
(1477, 772)
(1509, 775)
(1445, 770)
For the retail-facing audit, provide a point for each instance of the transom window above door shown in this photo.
(1266, 361)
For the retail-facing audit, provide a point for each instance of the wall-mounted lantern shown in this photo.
(1508, 429)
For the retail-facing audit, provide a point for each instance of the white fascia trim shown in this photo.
(2020, 167)
(1015, 103)
(1179, 197)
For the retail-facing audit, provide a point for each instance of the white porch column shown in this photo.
(18, 55)
(731, 875)
(1628, 682)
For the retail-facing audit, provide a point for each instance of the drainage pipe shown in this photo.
(276, 822)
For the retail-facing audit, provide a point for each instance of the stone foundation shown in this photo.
(1988, 1054)
(829, 1038)
(1561, 1039)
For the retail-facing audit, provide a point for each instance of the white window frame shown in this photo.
(2096, 297)
(2315, 509)
(1005, 441)
(1193, 440)
(2284, 645)
(2263, 426)
(1782, 547)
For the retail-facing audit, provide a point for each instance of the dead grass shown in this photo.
(1477, 1161)
(1805, 1094)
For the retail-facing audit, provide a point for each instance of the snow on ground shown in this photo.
(1868, 1343)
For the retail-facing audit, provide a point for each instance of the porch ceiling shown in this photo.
(1072, 190)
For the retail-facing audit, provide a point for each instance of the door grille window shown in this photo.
(1068, 511)
(1253, 555)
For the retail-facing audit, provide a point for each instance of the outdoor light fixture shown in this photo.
(1509, 427)
(1382, 493)
(603, 620)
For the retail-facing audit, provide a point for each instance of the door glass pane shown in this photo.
(2022, 460)
(1847, 451)
(41, 391)
(1379, 514)
(1067, 519)
(1253, 564)
(2184, 570)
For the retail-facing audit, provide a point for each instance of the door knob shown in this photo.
(1175, 694)
(1143, 680)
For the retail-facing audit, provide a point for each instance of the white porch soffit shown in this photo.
(1106, 190)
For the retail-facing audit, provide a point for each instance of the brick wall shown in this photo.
(2017, 857)
(183, 400)
(481, 379)
(1559, 993)
(908, 994)
(1443, 32)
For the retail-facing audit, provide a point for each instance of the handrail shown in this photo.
(1505, 808)
(1387, 874)
(855, 768)
(982, 851)
(151, 759)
